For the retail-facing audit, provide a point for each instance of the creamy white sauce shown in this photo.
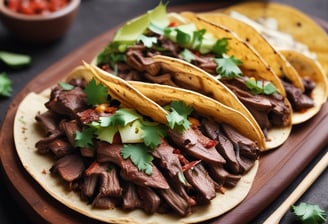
(268, 27)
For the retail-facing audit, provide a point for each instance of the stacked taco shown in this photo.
(122, 153)
(283, 42)
(234, 71)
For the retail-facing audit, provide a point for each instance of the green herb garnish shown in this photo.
(228, 67)
(65, 86)
(260, 87)
(96, 93)
(220, 47)
(309, 214)
(140, 155)
(187, 55)
(147, 41)
(121, 117)
(152, 133)
(5, 85)
(85, 137)
(178, 116)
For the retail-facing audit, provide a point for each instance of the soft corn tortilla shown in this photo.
(281, 67)
(198, 80)
(292, 21)
(307, 67)
(253, 65)
(26, 134)
(294, 67)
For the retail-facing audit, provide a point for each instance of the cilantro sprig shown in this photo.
(85, 137)
(96, 93)
(227, 67)
(5, 85)
(260, 87)
(140, 156)
(178, 115)
(309, 213)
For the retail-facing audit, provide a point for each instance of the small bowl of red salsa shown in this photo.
(38, 21)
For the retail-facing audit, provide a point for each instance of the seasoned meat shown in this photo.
(111, 153)
(69, 167)
(202, 183)
(89, 186)
(48, 121)
(69, 128)
(247, 147)
(131, 199)
(150, 201)
(222, 176)
(178, 203)
(43, 144)
(195, 143)
(103, 202)
(67, 102)
(297, 98)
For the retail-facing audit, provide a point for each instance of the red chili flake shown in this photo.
(190, 165)
(211, 143)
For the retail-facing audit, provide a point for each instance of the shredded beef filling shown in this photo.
(269, 111)
(188, 168)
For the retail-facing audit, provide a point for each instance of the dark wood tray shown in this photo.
(278, 168)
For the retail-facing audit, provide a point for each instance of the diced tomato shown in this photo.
(35, 7)
(172, 24)
(13, 4)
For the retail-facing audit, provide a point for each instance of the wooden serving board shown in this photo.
(278, 168)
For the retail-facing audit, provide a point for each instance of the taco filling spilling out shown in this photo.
(133, 59)
(114, 157)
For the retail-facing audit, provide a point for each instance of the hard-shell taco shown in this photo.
(216, 51)
(100, 146)
(306, 93)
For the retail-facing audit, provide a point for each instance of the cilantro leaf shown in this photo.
(228, 67)
(197, 38)
(96, 93)
(260, 87)
(84, 138)
(66, 86)
(5, 85)
(113, 53)
(309, 214)
(152, 134)
(147, 41)
(187, 55)
(220, 47)
(140, 156)
(121, 117)
(183, 39)
(178, 116)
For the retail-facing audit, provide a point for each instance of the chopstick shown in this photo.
(276, 216)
